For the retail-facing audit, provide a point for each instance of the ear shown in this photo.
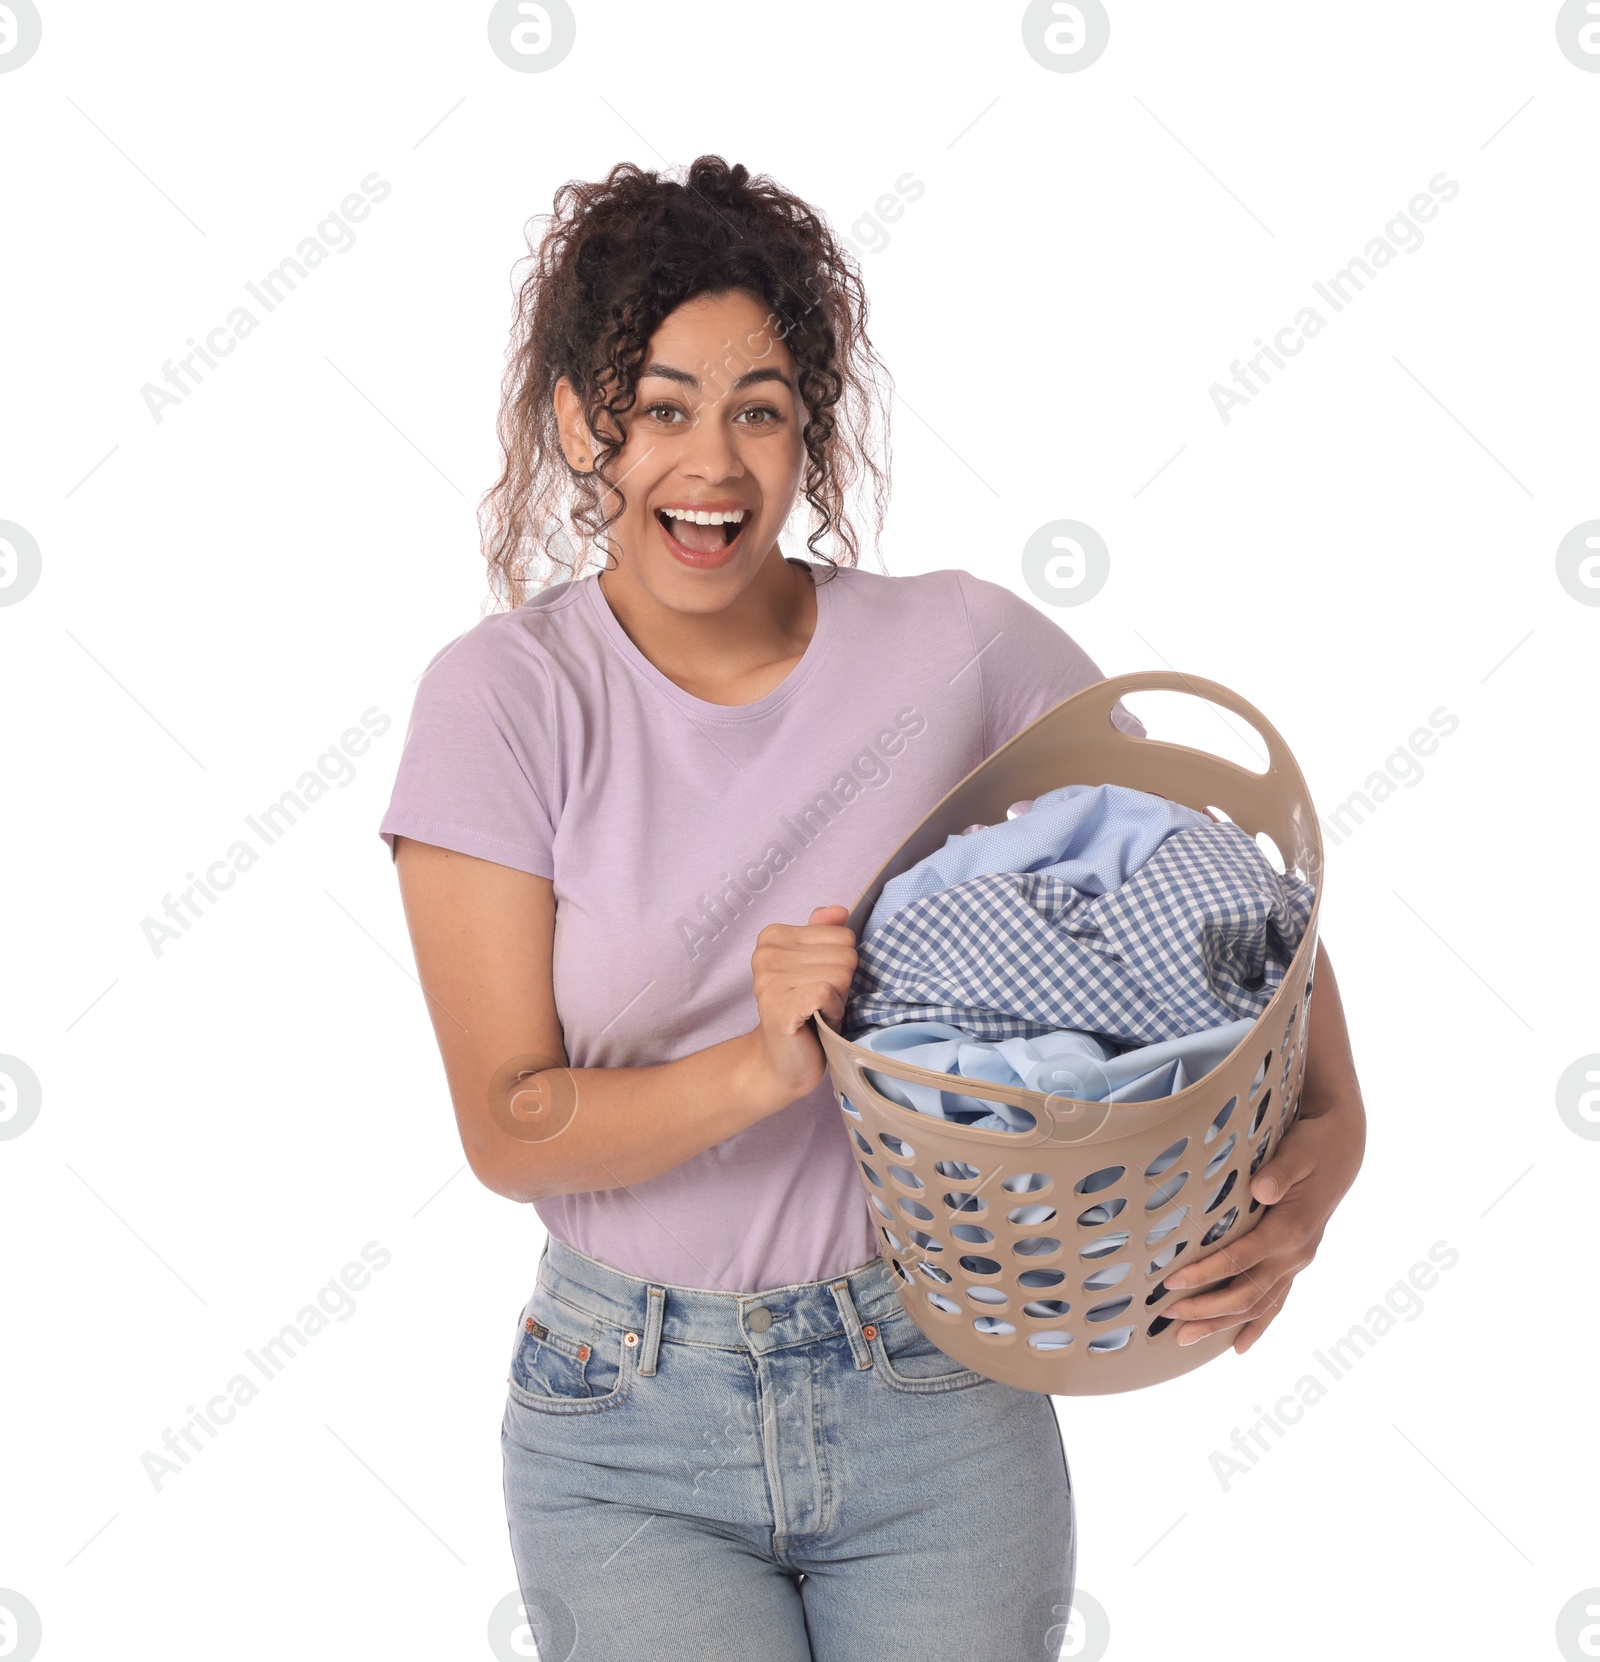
(577, 442)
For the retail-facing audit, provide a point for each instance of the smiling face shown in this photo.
(713, 455)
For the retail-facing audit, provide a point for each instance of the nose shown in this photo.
(709, 453)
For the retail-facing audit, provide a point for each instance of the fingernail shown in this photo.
(1191, 1339)
(1269, 1189)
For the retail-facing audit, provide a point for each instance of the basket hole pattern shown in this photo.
(1270, 849)
(1260, 1113)
(1004, 1284)
(1261, 1073)
(1161, 1229)
(1046, 1309)
(1220, 1158)
(1165, 1160)
(1020, 1118)
(1166, 1192)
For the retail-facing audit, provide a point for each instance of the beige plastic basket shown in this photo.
(1037, 1258)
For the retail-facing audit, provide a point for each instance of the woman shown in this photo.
(628, 817)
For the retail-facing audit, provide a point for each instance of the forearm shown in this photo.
(575, 1130)
(1330, 1089)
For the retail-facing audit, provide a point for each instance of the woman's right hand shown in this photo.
(797, 970)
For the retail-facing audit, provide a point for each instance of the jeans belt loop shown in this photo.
(852, 1322)
(650, 1345)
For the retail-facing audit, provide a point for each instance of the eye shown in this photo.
(762, 415)
(662, 412)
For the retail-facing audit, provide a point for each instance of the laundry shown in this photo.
(1103, 944)
(1091, 836)
(1065, 1063)
(1200, 934)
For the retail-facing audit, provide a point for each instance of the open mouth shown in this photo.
(699, 534)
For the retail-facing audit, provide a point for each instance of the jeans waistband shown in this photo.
(764, 1321)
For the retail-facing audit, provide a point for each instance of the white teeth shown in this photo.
(733, 517)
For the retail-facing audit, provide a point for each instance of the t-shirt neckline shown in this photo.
(699, 708)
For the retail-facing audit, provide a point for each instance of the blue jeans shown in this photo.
(796, 1475)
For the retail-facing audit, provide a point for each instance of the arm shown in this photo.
(1311, 1169)
(483, 936)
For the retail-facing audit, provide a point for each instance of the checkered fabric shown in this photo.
(1201, 934)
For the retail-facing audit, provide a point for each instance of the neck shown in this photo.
(770, 621)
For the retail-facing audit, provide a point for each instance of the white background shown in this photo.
(225, 591)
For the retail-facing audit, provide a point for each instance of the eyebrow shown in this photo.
(666, 372)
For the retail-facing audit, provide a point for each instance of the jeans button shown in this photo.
(759, 1319)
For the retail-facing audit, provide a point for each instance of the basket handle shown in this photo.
(1101, 697)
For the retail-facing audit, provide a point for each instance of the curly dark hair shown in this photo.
(615, 258)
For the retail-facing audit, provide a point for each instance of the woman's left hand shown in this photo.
(1300, 1186)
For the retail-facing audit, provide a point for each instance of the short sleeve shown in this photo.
(1027, 662)
(477, 770)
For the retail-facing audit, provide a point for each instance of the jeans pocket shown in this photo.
(566, 1362)
(905, 1358)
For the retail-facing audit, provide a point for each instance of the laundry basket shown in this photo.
(1038, 1258)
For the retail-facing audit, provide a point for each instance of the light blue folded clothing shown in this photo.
(1093, 837)
(1067, 1063)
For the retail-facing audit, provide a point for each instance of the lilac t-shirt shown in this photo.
(675, 830)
